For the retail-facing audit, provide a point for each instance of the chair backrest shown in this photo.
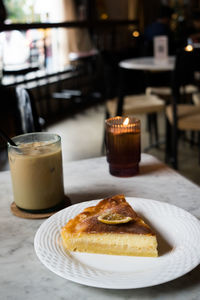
(28, 118)
(186, 66)
(187, 63)
(18, 111)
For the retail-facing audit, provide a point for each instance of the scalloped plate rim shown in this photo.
(80, 206)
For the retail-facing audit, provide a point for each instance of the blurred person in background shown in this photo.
(161, 26)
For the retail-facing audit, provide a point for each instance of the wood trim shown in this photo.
(78, 24)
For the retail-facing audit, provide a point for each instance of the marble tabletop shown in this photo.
(148, 64)
(23, 276)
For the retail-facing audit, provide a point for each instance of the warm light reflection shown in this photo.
(189, 48)
(135, 33)
(104, 16)
(126, 121)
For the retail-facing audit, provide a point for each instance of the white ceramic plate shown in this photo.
(178, 238)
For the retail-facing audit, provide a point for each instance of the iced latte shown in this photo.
(36, 170)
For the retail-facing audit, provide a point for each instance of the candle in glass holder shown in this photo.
(123, 146)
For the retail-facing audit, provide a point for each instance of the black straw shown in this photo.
(7, 139)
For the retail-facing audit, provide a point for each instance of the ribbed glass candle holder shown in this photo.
(123, 146)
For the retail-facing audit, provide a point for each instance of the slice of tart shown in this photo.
(110, 227)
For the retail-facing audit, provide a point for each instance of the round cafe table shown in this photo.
(148, 64)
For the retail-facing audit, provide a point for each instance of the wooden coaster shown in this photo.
(28, 215)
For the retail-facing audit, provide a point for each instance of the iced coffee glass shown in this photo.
(36, 171)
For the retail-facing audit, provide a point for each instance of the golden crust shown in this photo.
(87, 221)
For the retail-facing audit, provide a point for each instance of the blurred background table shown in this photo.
(148, 64)
(23, 276)
(156, 73)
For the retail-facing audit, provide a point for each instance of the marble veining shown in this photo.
(22, 275)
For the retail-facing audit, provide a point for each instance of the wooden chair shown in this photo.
(86, 87)
(19, 106)
(162, 87)
(165, 92)
(28, 117)
(181, 116)
(196, 98)
(18, 115)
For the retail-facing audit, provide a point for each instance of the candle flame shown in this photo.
(126, 121)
